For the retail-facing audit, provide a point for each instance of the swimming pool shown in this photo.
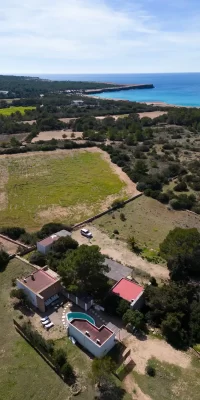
(72, 315)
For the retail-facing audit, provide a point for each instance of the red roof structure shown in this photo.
(127, 289)
(102, 334)
(38, 281)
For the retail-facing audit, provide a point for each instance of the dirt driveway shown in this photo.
(119, 251)
(143, 350)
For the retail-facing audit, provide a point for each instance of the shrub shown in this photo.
(63, 244)
(117, 203)
(163, 198)
(150, 370)
(180, 187)
(4, 259)
(13, 232)
(122, 217)
(38, 259)
(116, 232)
(59, 358)
(67, 372)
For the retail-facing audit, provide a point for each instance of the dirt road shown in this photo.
(119, 251)
(143, 350)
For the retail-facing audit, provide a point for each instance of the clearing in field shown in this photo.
(11, 110)
(148, 221)
(66, 186)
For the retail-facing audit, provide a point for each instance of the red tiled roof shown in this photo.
(41, 280)
(127, 290)
(48, 240)
(95, 333)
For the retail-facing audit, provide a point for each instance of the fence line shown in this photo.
(45, 358)
(106, 211)
(14, 241)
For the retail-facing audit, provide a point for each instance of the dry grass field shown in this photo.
(147, 220)
(63, 185)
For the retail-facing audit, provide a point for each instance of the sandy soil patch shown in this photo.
(18, 136)
(152, 114)
(119, 251)
(143, 350)
(64, 212)
(66, 120)
(48, 135)
(29, 122)
(9, 247)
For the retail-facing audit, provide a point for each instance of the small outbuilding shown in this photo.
(130, 291)
(45, 245)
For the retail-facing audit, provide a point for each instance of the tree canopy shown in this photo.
(180, 242)
(82, 270)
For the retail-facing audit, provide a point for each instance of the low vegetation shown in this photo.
(147, 221)
(57, 187)
(170, 382)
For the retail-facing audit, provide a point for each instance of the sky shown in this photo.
(99, 36)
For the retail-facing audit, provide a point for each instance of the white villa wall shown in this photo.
(92, 347)
(43, 249)
(31, 296)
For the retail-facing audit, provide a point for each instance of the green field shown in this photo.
(171, 382)
(12, 110)
(66, 186)
(147, 220)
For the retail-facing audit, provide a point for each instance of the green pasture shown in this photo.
(67, 187)
(11, 110)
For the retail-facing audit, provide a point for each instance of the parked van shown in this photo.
(86, 233)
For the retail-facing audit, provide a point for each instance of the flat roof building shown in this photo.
(130, 291)
(45, 245)
(40, 287)
(98, 341)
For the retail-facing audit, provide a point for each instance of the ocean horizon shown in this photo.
(172, 88)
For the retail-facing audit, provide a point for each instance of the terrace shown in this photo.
(96, 334)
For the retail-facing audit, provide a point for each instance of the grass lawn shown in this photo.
(12, 110)
(171, 382)
(23, 373)
(62, 186)
(147, 220)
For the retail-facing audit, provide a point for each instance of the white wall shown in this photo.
(92, 347)
(43, 249)
(31, 296)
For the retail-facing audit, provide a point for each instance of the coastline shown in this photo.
(152, 103)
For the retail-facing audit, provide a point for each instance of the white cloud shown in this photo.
(89, 36)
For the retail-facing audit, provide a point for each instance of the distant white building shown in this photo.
(78, 102)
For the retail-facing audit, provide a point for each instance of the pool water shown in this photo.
(74, 315)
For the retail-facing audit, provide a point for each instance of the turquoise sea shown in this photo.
(179, 89)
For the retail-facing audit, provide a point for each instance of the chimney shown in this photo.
(32, 277)
(98, 342)
(87, 333)
(24, 280)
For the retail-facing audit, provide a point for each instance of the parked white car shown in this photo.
(86, 233)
